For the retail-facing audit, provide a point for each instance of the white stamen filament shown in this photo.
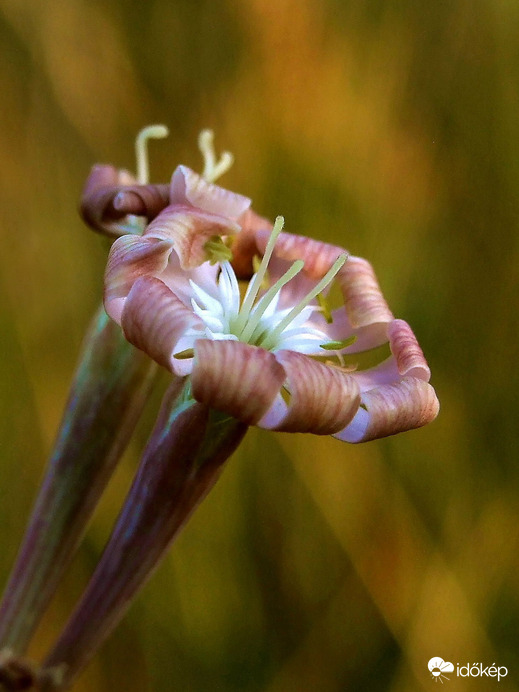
(213, 169)
(141, 149)
(270, 339)
(255, 284)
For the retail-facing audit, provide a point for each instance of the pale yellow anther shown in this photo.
(213, 169)
(217, 251)
(141, 149)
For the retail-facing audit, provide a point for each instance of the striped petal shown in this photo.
(409, 357)
(236, 378)
(130, 258)
(187, 187)
(407, 360)
(323, 399)
(155, 321)
(392, 408)
(142, 200)
(365, 313)
(189, 229)
(363, 299)
(110, 195)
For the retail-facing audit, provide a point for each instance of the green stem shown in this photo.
(106, 399)
(181, 462)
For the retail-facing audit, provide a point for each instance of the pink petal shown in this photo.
(189, 229)
(409, 356)
(142, 200)
(130, 258)
(363, 299)
(392, 408)
(323, 399)
(341, 328)
(110, 194)
(96, 198)
(407, 359)
(236, 378)
(154, 320)
(187, 187)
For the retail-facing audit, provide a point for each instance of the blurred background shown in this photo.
(391, 128)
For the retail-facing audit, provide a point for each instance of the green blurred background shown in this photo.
(390, 127)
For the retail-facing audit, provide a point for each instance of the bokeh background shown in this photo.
(389, 127)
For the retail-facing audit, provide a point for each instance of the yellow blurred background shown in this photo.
(391, 128)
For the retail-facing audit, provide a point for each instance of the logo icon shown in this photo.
(438, 668)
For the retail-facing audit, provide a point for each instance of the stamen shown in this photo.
(269, 296)
(141, 149)
(338, 345)
(256, 261)
(325, 308)
(183, 355)
(213, 169)
(217, 251)
(257, 281)
(273, 336)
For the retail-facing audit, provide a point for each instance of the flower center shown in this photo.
(257, 320)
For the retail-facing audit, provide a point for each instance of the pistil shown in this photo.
(141, 149)
(213, 169)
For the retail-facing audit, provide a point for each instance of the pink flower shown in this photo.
(274, 358)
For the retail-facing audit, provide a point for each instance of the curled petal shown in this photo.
(323, 399)
(154, 320)
(141, 200)
(392, 408)
(96, 199)
(130, 258)
(187, 187)
(236, 378)
(407, 360)
(111, 194)
(409, 357)
(365, 304)
(188, 230)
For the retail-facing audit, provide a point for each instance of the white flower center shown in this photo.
(257, 320)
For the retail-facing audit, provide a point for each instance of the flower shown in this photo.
(267, 358)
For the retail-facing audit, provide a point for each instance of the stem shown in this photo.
(181, 462)
(107, 396)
